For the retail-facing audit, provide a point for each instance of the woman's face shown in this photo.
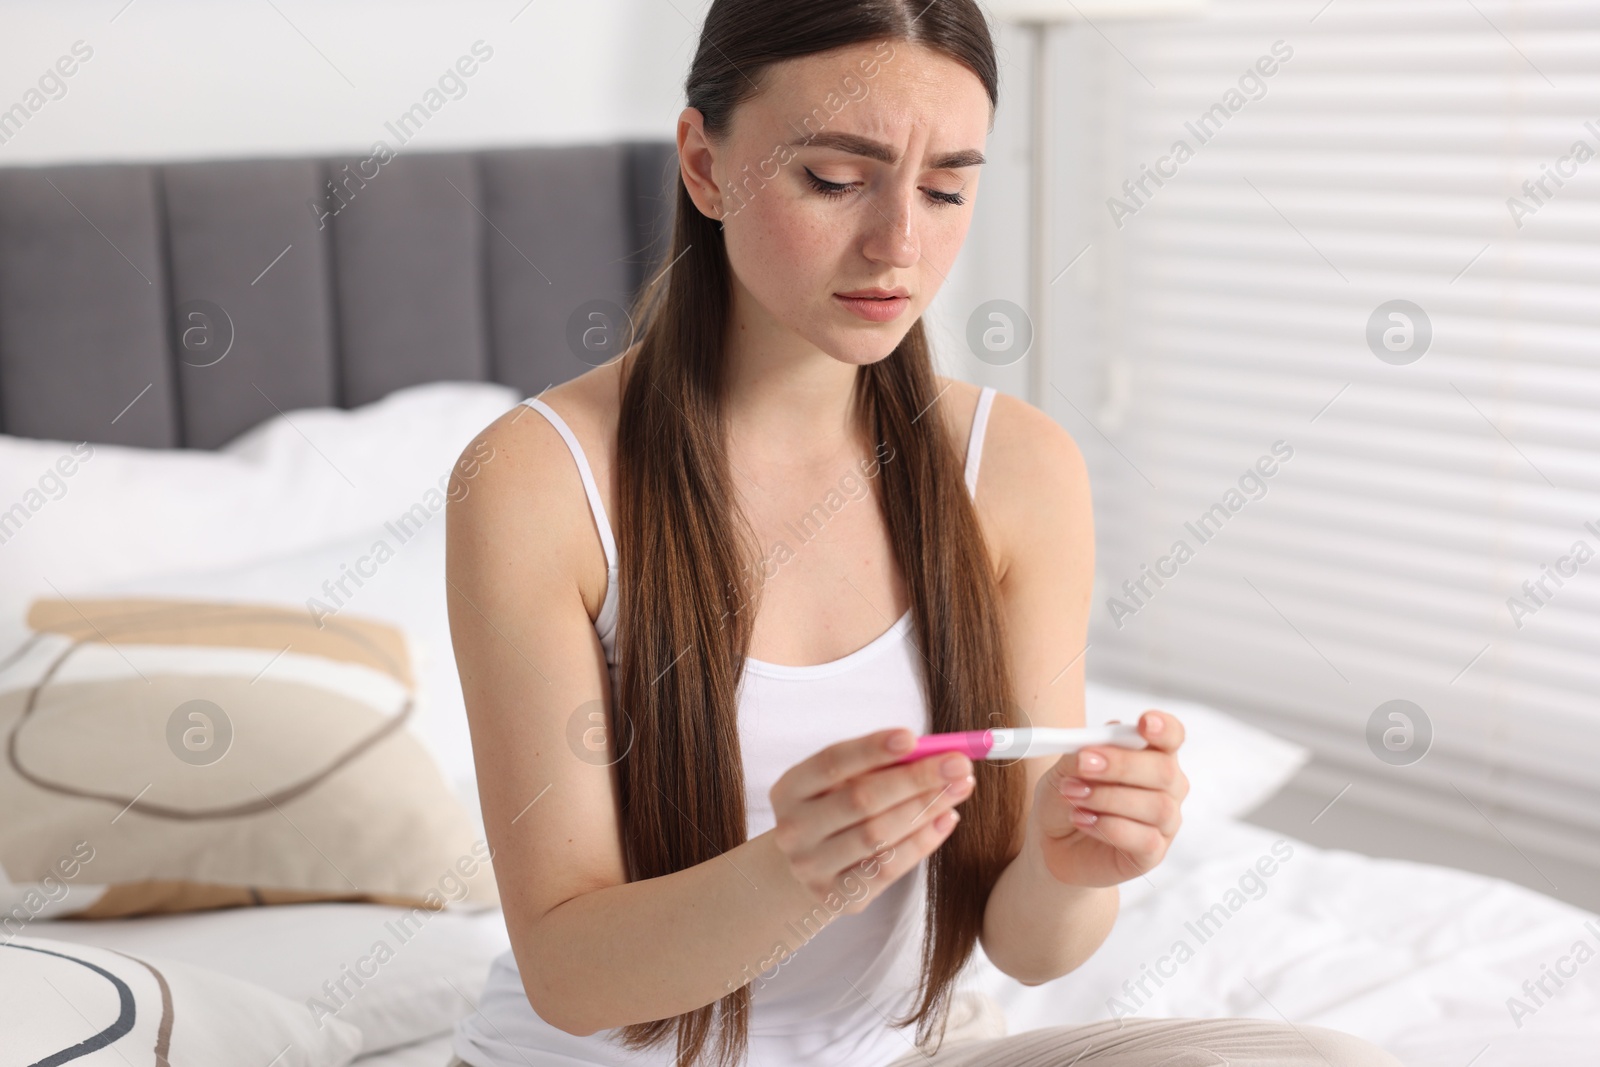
(880, 197)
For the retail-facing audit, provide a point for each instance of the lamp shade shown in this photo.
(1086, 10)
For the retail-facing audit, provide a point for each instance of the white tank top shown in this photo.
(827, 1003)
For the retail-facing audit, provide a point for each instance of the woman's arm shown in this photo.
(1041, 929)
(596, 951)
(1034, 501)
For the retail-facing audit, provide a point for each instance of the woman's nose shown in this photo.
(892, 230)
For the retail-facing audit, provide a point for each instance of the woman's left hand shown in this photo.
(1101, 824)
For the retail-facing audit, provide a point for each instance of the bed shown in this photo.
(356, 379)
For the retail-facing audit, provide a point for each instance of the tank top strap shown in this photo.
(980, 423)
(590, 488)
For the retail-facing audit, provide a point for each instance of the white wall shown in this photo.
(182, 79)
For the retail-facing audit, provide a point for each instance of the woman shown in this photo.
(687, 727)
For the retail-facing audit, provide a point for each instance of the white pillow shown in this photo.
(78, 516)
(404, 991)
(55, 995)
(1232, 766)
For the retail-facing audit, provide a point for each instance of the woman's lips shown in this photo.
(874, 310)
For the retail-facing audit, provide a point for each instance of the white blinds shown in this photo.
(1379, 560)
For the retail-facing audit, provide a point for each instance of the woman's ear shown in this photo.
(697, 163)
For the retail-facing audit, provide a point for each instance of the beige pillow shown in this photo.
(187, 755)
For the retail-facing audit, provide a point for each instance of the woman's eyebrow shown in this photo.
(857, 145)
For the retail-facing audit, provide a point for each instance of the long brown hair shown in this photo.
(683, 633)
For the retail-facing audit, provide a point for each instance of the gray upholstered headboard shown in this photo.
(417, 268)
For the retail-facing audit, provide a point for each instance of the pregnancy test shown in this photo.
(1023, 742)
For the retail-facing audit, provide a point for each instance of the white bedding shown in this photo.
(396, 976)
(1419, 959)
(434, 1052)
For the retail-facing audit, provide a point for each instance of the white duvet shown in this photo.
(1426, 961)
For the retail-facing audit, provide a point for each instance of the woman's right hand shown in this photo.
(850, 820)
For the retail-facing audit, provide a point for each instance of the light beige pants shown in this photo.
(975, 1036)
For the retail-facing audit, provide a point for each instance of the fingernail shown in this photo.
(962, 786)
(1156, 724)
(1091, 761)
(1085, 818)
(899, 741)
(1074, 787)
(954, 767)
(947, 820)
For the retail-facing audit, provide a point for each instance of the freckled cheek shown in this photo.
(940, 245)
(789, 255)
(942, 239)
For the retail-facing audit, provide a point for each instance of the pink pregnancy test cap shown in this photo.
(974, 743)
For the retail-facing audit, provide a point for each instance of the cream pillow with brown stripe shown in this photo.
(95, 1007)
(186, 755)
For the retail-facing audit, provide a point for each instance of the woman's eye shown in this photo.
(833, 190)
(829, 189)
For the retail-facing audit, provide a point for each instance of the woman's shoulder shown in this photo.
(587, 405)
(1019, 439)
(958, 402)
(530, 490)
(1031, 474)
